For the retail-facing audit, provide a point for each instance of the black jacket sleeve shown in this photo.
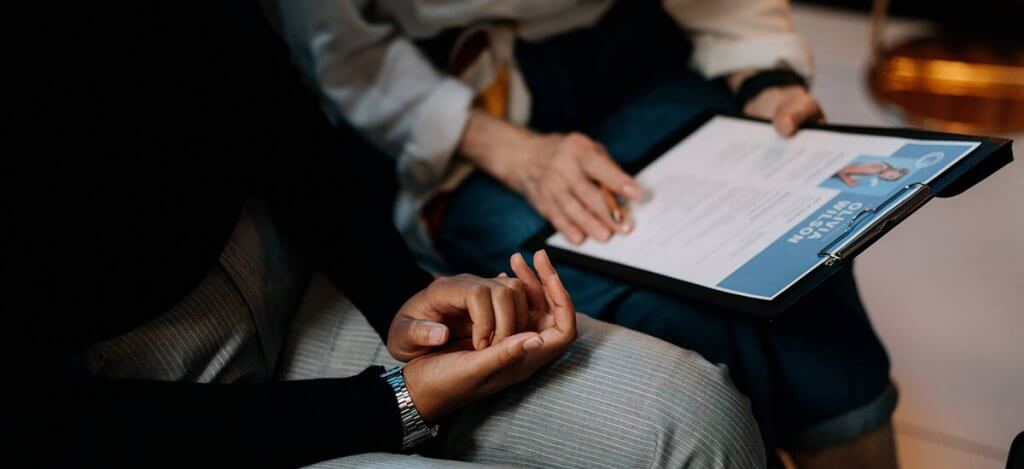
(176, 112)
(164, 424)
(319, 197)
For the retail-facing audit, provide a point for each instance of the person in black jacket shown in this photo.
(179, 186)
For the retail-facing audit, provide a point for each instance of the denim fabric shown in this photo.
(816, 377)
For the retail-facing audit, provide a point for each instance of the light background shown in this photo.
(945, 289)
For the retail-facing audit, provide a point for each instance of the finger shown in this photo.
(522, 304)
(558, 297)
(503, 301)
(417, 336)
(534, 289)
(582, 217)
(425, 333)
(481, 311)
(564, 312)
(604, 170)
(542, 263)
(564, 226)
(594, 201)
(491, 360)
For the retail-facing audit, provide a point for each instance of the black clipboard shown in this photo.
(992, 154)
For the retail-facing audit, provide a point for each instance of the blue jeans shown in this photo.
(817, 377)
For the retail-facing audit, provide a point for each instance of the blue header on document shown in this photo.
(866, 182)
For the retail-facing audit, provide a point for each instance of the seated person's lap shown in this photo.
(624, 398)
(816, 378)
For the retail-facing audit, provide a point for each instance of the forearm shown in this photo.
(495, 146)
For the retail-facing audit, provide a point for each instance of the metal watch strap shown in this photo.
(414, 429)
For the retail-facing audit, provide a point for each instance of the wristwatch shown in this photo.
(414, 429)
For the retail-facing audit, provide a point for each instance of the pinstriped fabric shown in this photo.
(616, 399)
(330, 338)
(403, 461)
(228, 329)
(208, 337)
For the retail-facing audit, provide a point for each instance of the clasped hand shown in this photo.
(466, 337)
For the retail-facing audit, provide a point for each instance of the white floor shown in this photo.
(945, 289)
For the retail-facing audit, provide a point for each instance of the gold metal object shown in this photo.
(940, 82)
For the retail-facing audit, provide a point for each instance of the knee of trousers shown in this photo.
(692, 413)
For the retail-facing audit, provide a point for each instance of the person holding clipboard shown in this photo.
(504, 116)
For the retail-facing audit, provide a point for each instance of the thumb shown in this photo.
(505, 353)
(785, 124)
(793, 115)
(415, 336)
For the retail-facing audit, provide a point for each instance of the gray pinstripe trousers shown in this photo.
(615, 399)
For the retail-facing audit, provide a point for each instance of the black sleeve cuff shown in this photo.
(761, 81)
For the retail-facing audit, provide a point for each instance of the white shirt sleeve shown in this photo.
(380, 83)
(734, 35)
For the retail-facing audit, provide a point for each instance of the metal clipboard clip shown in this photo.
(894, 209)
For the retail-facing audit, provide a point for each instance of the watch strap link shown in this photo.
(414, 429)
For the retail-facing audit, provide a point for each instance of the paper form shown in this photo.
(738, 208)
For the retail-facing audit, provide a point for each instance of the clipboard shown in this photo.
(990, 155)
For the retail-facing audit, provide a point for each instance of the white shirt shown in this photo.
(360, 55)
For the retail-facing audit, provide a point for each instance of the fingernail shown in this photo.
(605, 235)
(436, 334)
(631, 191)
(625, 227)
(533, 343)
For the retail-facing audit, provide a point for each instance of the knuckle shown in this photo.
(504, 293)
(460, 278)
(479, 291)
(577, 138)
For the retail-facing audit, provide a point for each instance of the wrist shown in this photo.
(750, 84)
(496, 146)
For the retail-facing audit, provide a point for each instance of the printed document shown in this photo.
(738, 208)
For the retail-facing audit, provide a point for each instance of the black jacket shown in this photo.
(149, 123)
